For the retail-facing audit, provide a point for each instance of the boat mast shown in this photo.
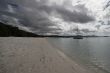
(77, 30)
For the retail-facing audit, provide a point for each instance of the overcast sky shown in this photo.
(60, 17)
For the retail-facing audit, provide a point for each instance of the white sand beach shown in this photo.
(34, 55)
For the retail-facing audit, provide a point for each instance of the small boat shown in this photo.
(78, 37)
(78, 34)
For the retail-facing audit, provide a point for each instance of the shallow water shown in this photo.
(92, 52)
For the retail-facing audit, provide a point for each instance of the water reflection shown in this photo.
(88, 50)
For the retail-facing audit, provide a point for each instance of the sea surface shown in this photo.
(94, 53)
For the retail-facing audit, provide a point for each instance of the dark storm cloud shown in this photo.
(34, 14)
(42, 6)
(3, 5)
(79, 17)
(34, 18)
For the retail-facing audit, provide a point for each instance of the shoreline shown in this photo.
(94, 68)
(35, 55)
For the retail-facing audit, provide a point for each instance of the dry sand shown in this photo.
(34, 55)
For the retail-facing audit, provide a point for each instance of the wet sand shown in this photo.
(34, 55)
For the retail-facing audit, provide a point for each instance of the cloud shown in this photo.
(75, 16)
(35, 14)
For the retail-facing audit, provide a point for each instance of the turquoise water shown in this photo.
(92, 52)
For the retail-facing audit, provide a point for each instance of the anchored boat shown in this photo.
(78, 34)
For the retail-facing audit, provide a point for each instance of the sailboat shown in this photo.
(78, 34)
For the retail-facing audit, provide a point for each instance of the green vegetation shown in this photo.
(8, 30)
